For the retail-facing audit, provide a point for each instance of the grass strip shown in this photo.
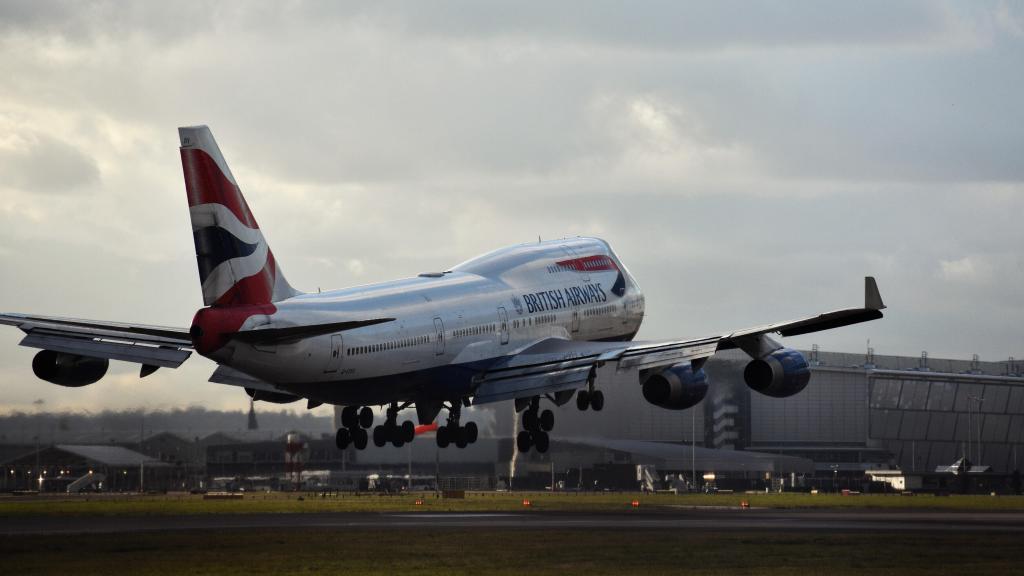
(512, 551)
(186, 504)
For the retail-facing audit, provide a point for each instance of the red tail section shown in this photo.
(236, 266)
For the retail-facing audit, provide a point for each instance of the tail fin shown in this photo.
(236, 266)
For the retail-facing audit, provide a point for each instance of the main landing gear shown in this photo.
(590, 398)
(354, 421)
(392, 432)
(453, 433)
(536, 426)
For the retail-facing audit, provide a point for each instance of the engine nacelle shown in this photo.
(69, 370)
(677, 387)
(273, 397)
(782, 373)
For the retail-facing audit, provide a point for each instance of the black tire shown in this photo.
(396, 440)
(547, 420)
(530, 420)
(460, 438)
(582, 400)
(366, 417)
(350, 416)
(380, 436)
(542, 441)
(443, 438)
(360, 438)
(597, 400)
(471, 432)
(408, 431)
(342, 439)
(523, 441)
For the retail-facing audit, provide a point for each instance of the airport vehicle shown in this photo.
(526, 323)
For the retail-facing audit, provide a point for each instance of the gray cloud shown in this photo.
(750, 161)
(40, 163)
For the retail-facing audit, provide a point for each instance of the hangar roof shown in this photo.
(683, 456)
(108, 455)
(116, 456)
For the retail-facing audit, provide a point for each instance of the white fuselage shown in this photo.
(446, 325)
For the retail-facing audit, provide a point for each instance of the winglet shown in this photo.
(872, 298)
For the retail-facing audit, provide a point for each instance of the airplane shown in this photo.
(527, 323)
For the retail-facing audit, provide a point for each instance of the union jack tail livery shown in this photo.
(236, 266)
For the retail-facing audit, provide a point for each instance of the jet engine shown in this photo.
(778, 374)
(273, 397)
(677, 387)
(69, 370)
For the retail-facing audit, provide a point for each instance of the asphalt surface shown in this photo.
(779, 521)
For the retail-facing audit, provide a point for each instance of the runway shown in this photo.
(778, 521)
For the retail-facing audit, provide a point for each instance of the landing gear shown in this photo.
(590, 399)
(537, 425)
(453, 433)
(392, 432)
(354, 421)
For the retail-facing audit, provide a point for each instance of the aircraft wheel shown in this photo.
(471, 432)
(366, 417)
(359, 438)
(442, 437)
(597, 400)
(380, 436)
(397, 441)
(523, 441)
(342, 438)
(582, 400)
(542, 441)
(349, 416)
(530, 420)
(547, 420)
(460, 437)
(408, 431)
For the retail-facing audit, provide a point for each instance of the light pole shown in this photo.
(693, 446)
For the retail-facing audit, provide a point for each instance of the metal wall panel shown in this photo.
(942, 396)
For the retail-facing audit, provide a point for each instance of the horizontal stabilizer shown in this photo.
(278, 335)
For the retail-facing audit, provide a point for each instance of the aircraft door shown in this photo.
(502, 325)
(335, 359)
(575, 320)
(438, 336)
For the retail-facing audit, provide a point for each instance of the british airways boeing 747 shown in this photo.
(526, 323)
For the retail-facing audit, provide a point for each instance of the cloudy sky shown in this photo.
(750, 161)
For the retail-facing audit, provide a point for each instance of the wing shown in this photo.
(556, 365)
(152, 346)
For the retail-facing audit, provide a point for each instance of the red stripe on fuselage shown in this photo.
(589, 264)
(206, 184)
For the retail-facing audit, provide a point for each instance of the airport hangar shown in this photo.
(860, 413)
